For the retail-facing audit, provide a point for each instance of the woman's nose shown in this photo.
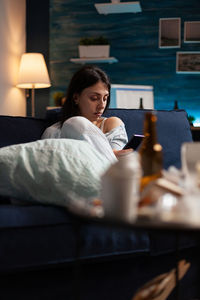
(101, 102)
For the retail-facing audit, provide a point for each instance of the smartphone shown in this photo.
(134, 142)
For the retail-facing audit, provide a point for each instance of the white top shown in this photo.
(117, 137)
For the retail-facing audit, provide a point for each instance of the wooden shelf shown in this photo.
(118, 8)
(109, 60)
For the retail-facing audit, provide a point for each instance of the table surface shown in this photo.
(142, 223)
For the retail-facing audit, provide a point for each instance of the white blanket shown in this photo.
(51, 171)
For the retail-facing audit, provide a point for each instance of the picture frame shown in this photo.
(188, 62)
(169, 32)
(192, 32)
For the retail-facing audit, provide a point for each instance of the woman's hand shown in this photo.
(119, 152)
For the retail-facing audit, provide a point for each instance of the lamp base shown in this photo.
(33, 102)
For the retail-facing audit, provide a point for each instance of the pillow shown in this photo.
(51, 171)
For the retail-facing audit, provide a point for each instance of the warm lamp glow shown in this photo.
(33, 72)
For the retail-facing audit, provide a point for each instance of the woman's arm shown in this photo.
(115, 132)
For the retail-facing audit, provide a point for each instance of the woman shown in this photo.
(88, 96)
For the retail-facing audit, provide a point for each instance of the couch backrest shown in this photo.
(16, 130)
(173, 129)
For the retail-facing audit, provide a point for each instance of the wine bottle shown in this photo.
(141, 104)
(175, 104)
(150, 151)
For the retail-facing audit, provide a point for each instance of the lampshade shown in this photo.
(33, 72)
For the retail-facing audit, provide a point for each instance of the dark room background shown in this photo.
(134, 42)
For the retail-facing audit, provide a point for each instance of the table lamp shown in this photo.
(33, 74)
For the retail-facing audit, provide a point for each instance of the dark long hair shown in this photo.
(83, 78)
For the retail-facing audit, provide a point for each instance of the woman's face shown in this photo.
(92, 101)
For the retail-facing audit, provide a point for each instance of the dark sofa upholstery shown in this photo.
(38, 244)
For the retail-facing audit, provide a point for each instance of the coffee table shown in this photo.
(140, 223)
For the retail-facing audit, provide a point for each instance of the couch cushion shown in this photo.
(35, 236)
(161, 243)
(15, 130)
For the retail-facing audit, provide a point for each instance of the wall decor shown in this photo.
(188, 62)
(94, 50)
(94, 60)
(133, 42)
(129, 96)
(169, 33)
(192, 32)
(94, 47)
(115, 7)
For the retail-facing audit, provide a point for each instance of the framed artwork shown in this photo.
(169, 33)
(188, 62)
(192, 32)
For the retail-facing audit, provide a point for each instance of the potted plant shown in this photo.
(58, 98)
(191, 119)
(93, 47)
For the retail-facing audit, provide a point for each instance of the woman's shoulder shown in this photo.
(52, 131)
(112, 122)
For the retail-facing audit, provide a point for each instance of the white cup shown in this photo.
(120, 188)
(190, 156)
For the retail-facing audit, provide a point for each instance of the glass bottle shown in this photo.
(176, 104)
(150, 151)
(141, 104)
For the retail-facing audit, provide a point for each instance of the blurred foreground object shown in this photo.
(161, 286)
(150, 151)
(190, 158)
(157, 190)
(121, 186)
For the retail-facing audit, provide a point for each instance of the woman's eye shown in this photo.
(94, 98)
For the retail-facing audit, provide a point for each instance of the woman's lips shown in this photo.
(98, 114)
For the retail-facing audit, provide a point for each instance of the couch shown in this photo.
(48, 253)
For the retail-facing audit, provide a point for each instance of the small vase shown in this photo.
(115, 1)
(94, 51)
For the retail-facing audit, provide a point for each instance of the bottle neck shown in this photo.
(150, 129)
(175, 104)
(141, 104)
